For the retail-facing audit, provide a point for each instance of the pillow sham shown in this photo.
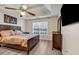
(12, 32)
(0, 38)
(5, 33)
(18, 32)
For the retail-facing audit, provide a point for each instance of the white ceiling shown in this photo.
(55, 9)
(39, 10)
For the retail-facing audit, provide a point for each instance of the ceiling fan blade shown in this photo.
(36, 6)
(21, 10)
(11, 8)
(30, 13)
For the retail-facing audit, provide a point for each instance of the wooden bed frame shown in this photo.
(31, 43)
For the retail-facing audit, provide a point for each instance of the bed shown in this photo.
(32, 40)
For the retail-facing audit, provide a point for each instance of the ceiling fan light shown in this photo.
(24, 7)
(23, 13)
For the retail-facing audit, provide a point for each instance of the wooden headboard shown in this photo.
(9, 27)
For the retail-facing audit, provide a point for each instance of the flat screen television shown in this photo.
(69, 14)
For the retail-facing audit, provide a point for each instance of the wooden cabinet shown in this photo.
(56, 40)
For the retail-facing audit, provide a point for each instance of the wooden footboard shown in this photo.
(31, 43)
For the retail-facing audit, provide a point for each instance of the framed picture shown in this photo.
(10, 19)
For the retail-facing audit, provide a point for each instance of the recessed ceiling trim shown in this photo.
(40, 17)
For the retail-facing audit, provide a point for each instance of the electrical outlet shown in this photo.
(66, 50)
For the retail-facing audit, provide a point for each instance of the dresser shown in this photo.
(56, 40)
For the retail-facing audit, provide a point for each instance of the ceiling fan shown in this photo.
(24, 10)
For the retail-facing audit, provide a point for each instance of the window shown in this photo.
(40, 28)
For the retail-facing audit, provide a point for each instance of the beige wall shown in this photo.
(52, 26)
(70, 39)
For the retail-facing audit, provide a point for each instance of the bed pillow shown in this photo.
(0, 38)
(18, 32)
(5, 33)
(12, 32)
